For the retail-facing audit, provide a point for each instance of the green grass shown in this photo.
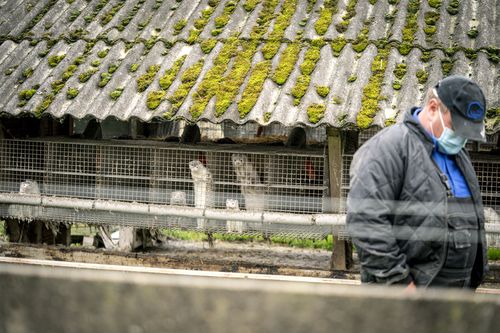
(324, 244)
(493, 254)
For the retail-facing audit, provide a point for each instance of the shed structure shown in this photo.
(241, 69)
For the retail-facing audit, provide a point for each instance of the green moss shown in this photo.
(216, 32)
(338, 45)
(250, 5)
(130, 15)
(287, 63)
(470, 53)
(201, 22)
(337, 100)
(400, 71)
(208, 44)
(85, 76)
(24, 96)
(141, 25)
(10, 70)
(281, 23)
(113, 67)
(267, 116)
(221, 21)
(193, 36)
(68, 72)
(323, 22)
(430, 19)
(95, 63)
(371, 92)
(71, 93)
(105, 77)
(57, 85)
(80, 60)
(253, 88)
(396, 85)
(410, 27)
(44, 104)
(435, 3)
(316, 112)
(188, 80)
(372, 2)
(227, 92)
(426, 56)
(453, 6)
(350, 12)
(133, 67)
(179, 25)
(147, 78)
(473, 32)
(310, 59)
(108, 16)
(361, 42)
(157, 4)
(171, 73)
(300, 88)
(325, 16)
(214, 77)
(115, 94)
(446, 66)
(155, 98)
(422, 76)
(103, 53)
(97, 8)
(391, 16)
(266, 15)
(28, 72)
(149, 43)
(39, 16)
(55, 59)
(352, 78)
(493, 54)
(73, 15)
(323, 91)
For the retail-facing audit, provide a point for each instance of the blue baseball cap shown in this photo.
(467, 105)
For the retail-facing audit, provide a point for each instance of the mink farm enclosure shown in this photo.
(231, 177)
(117, 182)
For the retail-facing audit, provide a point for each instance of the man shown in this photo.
(414, 209)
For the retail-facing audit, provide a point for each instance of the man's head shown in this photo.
(463, 108)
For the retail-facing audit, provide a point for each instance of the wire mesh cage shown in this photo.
(239, 177)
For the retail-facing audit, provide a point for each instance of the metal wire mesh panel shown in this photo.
(236, 178)
(488, 176)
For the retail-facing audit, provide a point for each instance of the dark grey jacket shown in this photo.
(397, 207)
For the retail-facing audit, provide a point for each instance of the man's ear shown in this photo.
(433, 107)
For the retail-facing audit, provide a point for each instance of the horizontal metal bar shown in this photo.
(182, 211)
(166, 210)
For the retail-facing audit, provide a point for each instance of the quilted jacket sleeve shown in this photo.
(377, 173)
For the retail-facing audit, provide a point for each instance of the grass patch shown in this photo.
(493, 254)
(323, 244)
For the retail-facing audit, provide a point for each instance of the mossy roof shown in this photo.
(142, 33)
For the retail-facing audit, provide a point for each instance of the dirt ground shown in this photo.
(257, 258)
(196, 255)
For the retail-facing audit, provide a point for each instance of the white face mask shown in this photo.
(449, 142)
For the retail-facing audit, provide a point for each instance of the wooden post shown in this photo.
(342, 250)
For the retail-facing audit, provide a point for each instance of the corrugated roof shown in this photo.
(337, 63)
